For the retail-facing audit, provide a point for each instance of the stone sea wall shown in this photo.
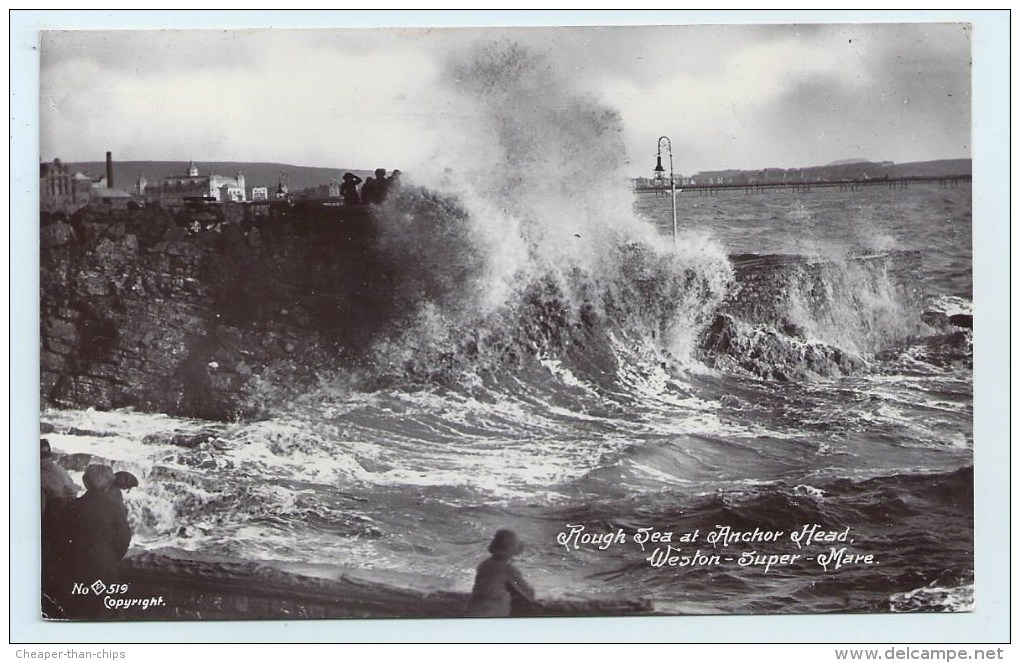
(179, 585)
(190, 314)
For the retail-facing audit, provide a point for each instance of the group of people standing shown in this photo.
(83, 538)
(373, 191)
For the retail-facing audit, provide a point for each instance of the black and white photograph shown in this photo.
(462, 322)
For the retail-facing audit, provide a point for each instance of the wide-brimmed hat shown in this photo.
(98, 477)
(506, 543)
(349, 176)
(124, 480)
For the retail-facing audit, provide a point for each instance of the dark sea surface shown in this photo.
(566, 382)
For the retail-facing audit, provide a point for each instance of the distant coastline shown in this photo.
(256, 173)
(842, 170)
(307, 177)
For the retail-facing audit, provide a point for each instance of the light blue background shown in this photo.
(988, 623)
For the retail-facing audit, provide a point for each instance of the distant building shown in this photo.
(283, 187)
(60, 189)
(329, 189)
(84, 183)
(233, 193)
(54, 180)
(177, 189)
(260, 193)
(115, 198)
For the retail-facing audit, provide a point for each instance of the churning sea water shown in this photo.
(579, 403)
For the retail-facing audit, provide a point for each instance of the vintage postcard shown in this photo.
(520, 321)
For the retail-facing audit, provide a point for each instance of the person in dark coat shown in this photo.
(368, 191)
(498, 583)
(381, 187)
(96, 531)
(57, 491)
(349, 189)
(375, 188)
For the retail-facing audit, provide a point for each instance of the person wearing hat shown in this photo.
(96, 534)
(349, 189)
(498, 583)
(122, 481)
(57, 491)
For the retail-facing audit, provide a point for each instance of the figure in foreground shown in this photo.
(498, 583)
(57, 492)
(95, 535)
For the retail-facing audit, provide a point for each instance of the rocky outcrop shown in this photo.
(772, 354)
(753, 331)
(190, 314)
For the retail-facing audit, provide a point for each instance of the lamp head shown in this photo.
(660, 172)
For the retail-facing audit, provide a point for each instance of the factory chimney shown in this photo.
(109, 170)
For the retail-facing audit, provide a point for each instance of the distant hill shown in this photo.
(846, 162)
(940, 168)
(125, 173)
(841, 170)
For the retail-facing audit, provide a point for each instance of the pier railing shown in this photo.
(803, 185)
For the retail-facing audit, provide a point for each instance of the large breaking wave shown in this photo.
(528, 252)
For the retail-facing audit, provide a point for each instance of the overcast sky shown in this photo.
(727, 96)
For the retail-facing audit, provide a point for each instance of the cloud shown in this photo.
(714, 113)
(794, 96)
(728, 96)
(311, 101)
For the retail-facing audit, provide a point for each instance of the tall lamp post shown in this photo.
(660, 174)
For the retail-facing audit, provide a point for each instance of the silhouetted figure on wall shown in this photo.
(375, 188)
(368, 190)
(498, 583)
(349, 189)
(381, 185)
(393, 181)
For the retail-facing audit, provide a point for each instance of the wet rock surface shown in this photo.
(753, 332)
(149, 310)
